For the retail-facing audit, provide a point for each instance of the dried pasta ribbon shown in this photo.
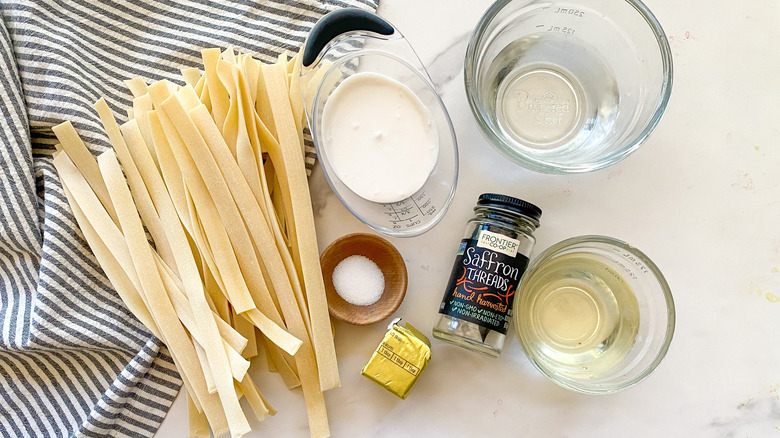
(215, 172)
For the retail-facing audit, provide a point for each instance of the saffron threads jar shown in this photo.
(477, 304)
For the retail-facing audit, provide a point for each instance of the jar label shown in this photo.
(498, 242)
(483, 281)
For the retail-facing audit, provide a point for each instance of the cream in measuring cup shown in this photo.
(384, 139)
(380, 138)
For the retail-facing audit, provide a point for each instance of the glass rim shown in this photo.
(543, 166)
(585, 387)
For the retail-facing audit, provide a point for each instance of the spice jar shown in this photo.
(492, 256)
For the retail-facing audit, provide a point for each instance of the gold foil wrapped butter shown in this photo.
(399, 360)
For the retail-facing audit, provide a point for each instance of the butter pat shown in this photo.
(399, 360)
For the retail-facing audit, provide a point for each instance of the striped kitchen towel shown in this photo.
(73, 360)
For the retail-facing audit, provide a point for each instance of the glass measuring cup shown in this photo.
(568, 86)
(351, 41)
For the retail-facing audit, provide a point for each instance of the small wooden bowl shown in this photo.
(386, 257)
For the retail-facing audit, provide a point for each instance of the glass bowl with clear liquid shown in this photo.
(594, 314)
(570, 86)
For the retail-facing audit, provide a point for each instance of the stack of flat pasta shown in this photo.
(214, 171)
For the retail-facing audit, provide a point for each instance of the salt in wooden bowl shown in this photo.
(389, 261)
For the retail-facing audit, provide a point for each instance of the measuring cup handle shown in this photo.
(339, 22)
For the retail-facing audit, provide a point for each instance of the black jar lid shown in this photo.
(509, 203)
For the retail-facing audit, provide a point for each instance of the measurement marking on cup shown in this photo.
(392, 212)
(409, 212)
(568, 11)
(425, 206)
(400, 214)
(417, 205)
(565, 29)
(406, 219)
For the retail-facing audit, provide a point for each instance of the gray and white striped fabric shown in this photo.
(73, 360)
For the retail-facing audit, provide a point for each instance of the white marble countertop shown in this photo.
(701, 198)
